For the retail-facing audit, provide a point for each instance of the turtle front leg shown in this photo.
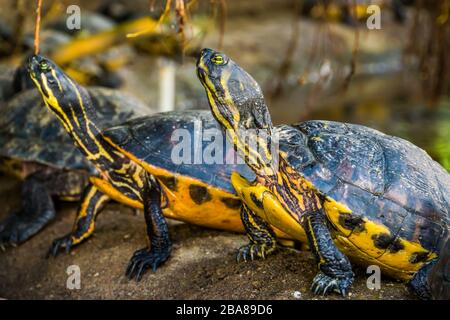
(335, 268)
(92, 203)
(38, 209)
(36, 212)
(157, 231)
(262, 237)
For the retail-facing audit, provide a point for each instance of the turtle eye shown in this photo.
(44, 66)
(218, 59)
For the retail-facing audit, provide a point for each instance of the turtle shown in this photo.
(135, 167)
(35, 148)
(348, 190)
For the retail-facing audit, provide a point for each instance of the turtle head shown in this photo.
(48, 77)
(235, 97)
(67, 99)
(237, 103)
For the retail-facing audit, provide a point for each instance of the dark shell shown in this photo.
(384, 178)
(29, 131)
(151, 139)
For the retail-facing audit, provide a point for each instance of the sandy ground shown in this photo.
(202, 265)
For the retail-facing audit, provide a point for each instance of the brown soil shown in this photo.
(202, 265)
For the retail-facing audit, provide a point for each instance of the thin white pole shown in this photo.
(166, 84)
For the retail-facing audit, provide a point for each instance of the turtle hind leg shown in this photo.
(157, 232)
(36, 212)
(432, 281)
(419, 283)
(262, 238)
(335, 269)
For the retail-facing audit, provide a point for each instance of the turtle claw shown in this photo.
(253, 251)
(143, 259)
(65, 243)
(324, 284)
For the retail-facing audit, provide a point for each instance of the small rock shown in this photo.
(96, 274)
(127, 236)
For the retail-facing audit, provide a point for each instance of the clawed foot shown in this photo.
(144, 259)
(323, 284)
(65, 242)
(253, 251)
(17, 228)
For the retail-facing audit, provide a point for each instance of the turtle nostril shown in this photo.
(205, 52)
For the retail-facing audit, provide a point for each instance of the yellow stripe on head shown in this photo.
(52, 102)
(57, 80)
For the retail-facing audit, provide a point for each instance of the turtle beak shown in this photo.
(33, 65)
(202, 65)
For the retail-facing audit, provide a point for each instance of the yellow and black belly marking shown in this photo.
(193, 201)
(370, 242)
(199, 194)
(115, 194)
(262, 202)
(363, 241)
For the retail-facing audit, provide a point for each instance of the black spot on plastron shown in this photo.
(199, 194)
(417, 257)
(169, 181)
(382, 240)
(256, 201)
(396, 246)
(231, 202)
(352, 222)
